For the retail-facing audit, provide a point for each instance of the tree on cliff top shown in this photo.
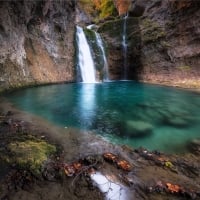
(122, 6)
(99, 9)
(105, 8)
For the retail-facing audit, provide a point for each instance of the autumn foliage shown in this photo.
(101, 9)
(105, 8)
(122, 6)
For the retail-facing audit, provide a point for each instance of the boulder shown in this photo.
(194, 146)
(177, 122)
(138, 128)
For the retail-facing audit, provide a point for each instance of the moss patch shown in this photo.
(29, 153)
(184, 68)
(151, 31)
(113, 31)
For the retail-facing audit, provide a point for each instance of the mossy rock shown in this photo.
(94, 48)
(194, 146)
(151, 31)
(90, 35)
(138, 128)
(114, 28)
(29, 154)
(184, 68)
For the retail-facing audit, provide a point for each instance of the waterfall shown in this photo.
(85, 60)
(105, 67)
(124, 45)
(103, 54)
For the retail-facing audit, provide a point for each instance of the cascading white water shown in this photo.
(105, 67)
(124, 45)
(101, 47)
(85, 60)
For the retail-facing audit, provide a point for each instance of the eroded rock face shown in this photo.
(163, 43)
(112, 33)
(170, 43)
(194, 146)
(36, 42)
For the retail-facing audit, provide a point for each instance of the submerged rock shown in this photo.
(194, 146)
(138, 128)
(177, 122)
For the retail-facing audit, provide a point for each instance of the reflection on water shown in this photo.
(129, 113)
(112, 189)
(86, 104)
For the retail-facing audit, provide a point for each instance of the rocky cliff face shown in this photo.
(163, 42)
(170, 43)
(112, 33)
(36, 42)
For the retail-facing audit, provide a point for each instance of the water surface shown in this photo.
(129, 113)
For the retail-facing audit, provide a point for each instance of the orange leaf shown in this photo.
(123, 164)
(173, 188)
(77, 166)
(69, 170)
(110, 157)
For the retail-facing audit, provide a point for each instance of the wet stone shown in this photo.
(177, 122)
(138, 128)
(9, 113)
(194, 146)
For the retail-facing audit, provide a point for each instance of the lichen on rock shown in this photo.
(29, 154)
(151, 31)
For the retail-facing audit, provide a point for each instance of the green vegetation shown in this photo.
(165, 44)
(95, 50)
(90, 35)
(87, 5)
(30, 153)
(151, 31)
(168, 164)
(170, 24)
(184, 68)
(114, 28)
(99, 9)
(106, 9)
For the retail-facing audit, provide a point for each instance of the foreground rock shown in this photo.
(194, 146)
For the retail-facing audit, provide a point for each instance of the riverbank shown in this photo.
(188, 87)
(149, 177)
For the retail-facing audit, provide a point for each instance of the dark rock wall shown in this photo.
(170, 43)
(163, 43)
(112, 33)
(36, 42)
